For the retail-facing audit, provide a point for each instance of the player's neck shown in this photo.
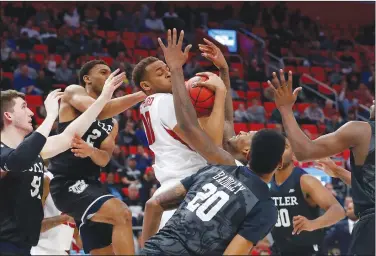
(91, 93)
(282, 175)
(12, 137)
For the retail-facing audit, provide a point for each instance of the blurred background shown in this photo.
(329, 47)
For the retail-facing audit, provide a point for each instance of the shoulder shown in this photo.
(5, 150)
(266, 208)
(308, 182)
(74, 88)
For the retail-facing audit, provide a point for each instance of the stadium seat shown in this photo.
(236, 104)
(264, 85)
(307, 80)
(129, 35)
(34, 100)
(271, 126)
(129, 43)
(101, 33)
(111, 35)
(103, 177)
(21, 55)
(318, 73)
(39, 57)
(41, 48)
(302, 106)
(108, 60)
(241, 94)
(238, 127)
(269, 106)
(254, 85)
(290, 68)
(302, 70)
(132, 150)
(58, 59)
(153, 53)
(324, 90)
(346, 154)
(8, 75)
(239, 67)
(310, 127)
(141, 52)
(256, 127)
(251, 95)
(337, 88)
(124, 149)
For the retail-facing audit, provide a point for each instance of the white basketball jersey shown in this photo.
(58, 238)
(173, 158)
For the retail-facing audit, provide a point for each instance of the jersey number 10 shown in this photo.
(207, 198)
(149, 129)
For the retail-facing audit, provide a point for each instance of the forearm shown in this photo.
(152, 220)
(119, 105)
(229, 110)
(49, 223)
(300, 143)
(214, 126)
(46, 126)
(100, 157)
(343, 174)
(334, 214)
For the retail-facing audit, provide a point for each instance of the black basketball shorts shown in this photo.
(363, 236)
(81, 199)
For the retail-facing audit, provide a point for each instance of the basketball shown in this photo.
(202, 98)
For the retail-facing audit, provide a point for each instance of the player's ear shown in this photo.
(246, 151)
(145, 86)
(7, 116)
(280, 164)
(86, 79)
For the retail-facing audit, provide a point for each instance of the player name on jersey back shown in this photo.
(173, 157)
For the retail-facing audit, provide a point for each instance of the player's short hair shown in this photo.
(267, 148)
(138, 74)
(7, 103)
(85, 69)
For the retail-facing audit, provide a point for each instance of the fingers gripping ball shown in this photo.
(201, 97)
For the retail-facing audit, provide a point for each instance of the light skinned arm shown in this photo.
(333, 170)
(239, 246)
(76, 96)
(155, 206)
(185, 113)
(60, 143)
(325, 200)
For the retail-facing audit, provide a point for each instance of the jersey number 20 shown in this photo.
(207, 198)
(149, 129)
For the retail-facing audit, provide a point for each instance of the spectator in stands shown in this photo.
(364, 95)
(241, 114)
(142, 158)
(171, 13)
(23, 83)
(352, 82)
(154, 23)
(5, 51)
(336, 76)
(118, 162)
(127, 137)
(105, 21)
(238, 83)
(32, 63)
(256, 112)
(51, 64)
(31, 73)
(329, 109)
(112, 188)
(149, 181)
(122, 21)
(140, 134)
(131, 175)
(333, 124)
(347, 58)
(43, 82)
(148, 41)
(135, 205)
(314, 113)
(96, 45)
(91, 15)
(42, 15)
(23, 43)
(137, 22)
(31, 33)
(255, 72)
(63, 74)
(72, 18)
(11, 63)
(116, 46)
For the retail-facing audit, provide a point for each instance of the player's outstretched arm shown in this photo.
(349, 135)
(76, 96)
(59, 143)
(185, 114)
(333, 170)
(325, 200)
(154, 208)
(211, 52)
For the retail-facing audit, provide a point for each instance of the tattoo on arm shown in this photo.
(229, 110)
(172, 198)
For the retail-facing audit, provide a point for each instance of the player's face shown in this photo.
(97, 77)
(372, 115)
(21, 116)
(287, 156)
(242, 142)
(158, 78)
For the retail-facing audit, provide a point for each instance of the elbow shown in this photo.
(152, 204)
(341, 212)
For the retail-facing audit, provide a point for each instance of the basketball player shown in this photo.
(174, 159)
(357, 136)
(21, 185)
(299, 198)
(104, 221)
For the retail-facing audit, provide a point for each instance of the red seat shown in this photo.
(21, 56)
(34, 100)
(236, 104)
(254, 85)
(337, 88)
(269, 106)
(61, 86)
(129, 43)
(238, 127)
(132, 150)
(124, 149)
(290, 68)
(251, 95)
(310, 127)
(41, 48)
(324, 90)
(264, 85)
(256, 127)
(239, 67)
(319, 73)
(302, 69)
(108, 60)
(346, 154)
(101, 33)
(117, 178)
(271, 126)
(103, 177)
(129, 35)
(8, 75)
(154, 53)
(58, 59)
(39, 57)
(111, 35)
(307, 80)
(302, 106)
(241, 94)
(141, 52)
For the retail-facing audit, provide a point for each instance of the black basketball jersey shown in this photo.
(363, 179)
(21, 211)
(290, 201)
(66, 164)
(221, 202)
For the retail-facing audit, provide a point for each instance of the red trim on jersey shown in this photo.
(176, 137)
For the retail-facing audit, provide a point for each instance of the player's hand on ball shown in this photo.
(211, 52)
(81, 148)
(112, 83)
(213, 83)
(284, 97)
(175, 57)
(301, 223)
(328, 166)
(51, 103)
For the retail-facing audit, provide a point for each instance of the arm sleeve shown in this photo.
(24, 155)
(259, 221)
(166, 111)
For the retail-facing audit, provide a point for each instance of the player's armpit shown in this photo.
(239, 246)
(197, 139)
(155, 207)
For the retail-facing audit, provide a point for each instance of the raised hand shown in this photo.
(284, 97)
(81, 148)
(328, 166)
(173, 53)
(213, 83)
(211, 52)
(51, 103)
(112, 83)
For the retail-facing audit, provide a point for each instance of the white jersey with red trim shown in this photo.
(57, 240)
(173, 158)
